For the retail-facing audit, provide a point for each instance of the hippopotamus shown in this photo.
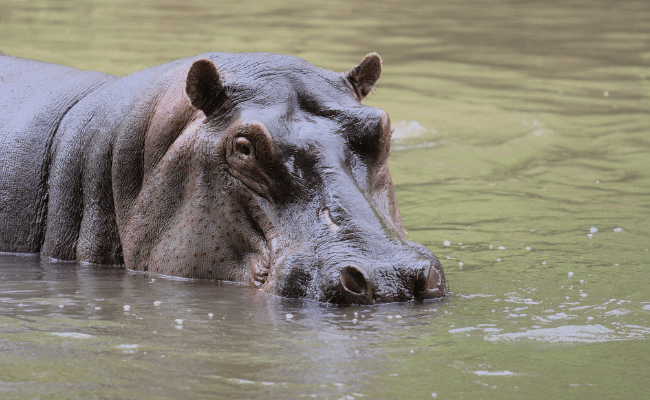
(255, 168)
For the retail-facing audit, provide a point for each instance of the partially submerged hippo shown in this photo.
(257, 168)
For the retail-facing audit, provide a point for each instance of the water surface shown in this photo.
(521, 158)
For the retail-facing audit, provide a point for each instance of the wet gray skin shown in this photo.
(256, 168)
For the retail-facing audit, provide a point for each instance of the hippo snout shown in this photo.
(356, 284)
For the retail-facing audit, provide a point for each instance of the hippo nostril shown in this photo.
(354, 279)
(432, 286)
(433, 279)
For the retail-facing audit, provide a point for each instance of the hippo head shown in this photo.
(269, 170)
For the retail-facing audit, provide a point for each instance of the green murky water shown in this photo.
(521, 158)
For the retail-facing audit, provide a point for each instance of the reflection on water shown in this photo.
(182, 331)
(520, 157)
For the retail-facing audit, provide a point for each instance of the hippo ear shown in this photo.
(204, 86)
(364, 76)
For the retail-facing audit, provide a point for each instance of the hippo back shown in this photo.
(34, 97)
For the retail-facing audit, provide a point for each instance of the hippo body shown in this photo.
(256, 168)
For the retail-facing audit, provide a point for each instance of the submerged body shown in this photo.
(257, 168)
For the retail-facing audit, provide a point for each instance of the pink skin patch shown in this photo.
(332, 225)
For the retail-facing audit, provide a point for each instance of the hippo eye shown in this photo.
(243, 147)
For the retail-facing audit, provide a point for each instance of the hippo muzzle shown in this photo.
(375, 270)
(352, 284)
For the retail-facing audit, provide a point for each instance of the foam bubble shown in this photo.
(127, 346)
(73, 335)
(405, 130)
(494, 373)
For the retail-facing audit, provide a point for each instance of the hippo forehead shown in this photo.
(298, 102)
(272, 78)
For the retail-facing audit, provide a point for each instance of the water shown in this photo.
(520, 127)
